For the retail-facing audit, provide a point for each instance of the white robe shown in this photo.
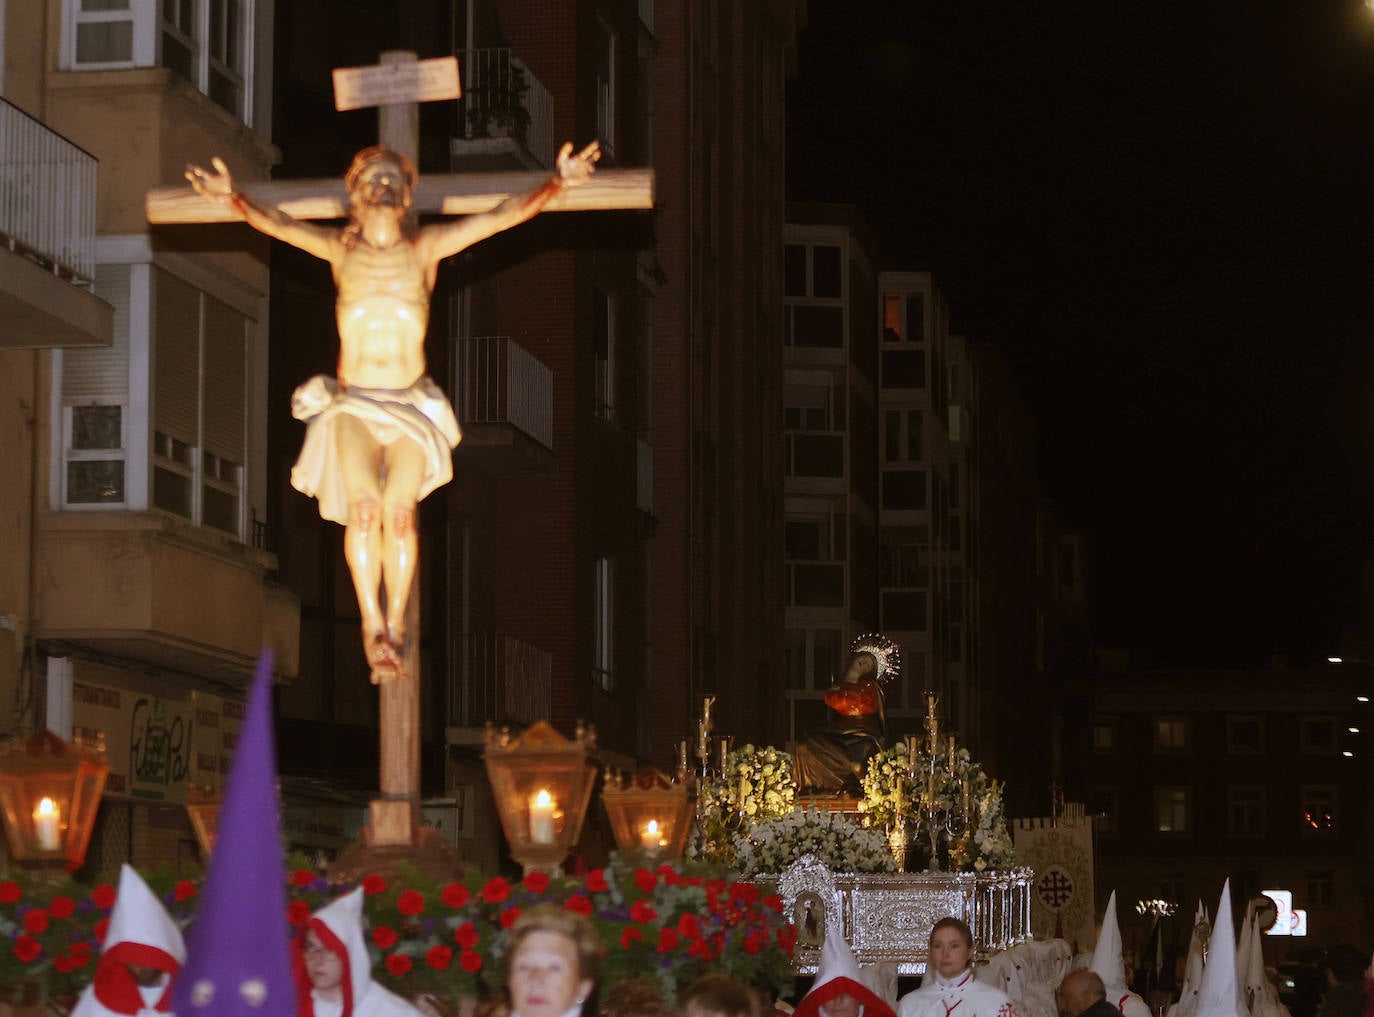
(961, 996)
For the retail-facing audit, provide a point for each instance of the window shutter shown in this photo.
(101, 376)
(225, 337)
(176, 357)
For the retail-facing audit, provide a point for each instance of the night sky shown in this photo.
(1163, 215)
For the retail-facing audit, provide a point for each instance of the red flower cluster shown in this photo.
(103, 896)
(410, 903)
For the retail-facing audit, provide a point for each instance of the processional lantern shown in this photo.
(202, 808)
(49, 793)
(652, 814)
(542, 783)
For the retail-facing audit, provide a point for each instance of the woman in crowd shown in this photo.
(949, 988)
(551, 963)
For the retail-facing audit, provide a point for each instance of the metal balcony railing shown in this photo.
(502, 99)
(47, 196)
(500, 679)
(498, 381)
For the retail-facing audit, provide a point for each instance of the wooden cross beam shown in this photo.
(450, 194)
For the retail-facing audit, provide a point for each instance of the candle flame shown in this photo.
(652, 827)
(46, 807)
(543, 799)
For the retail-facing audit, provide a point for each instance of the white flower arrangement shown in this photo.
(991, 837)
(756, 786)
(896, 778)
(844, 846)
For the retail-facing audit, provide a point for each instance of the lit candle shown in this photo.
(724, 744)
(951, 753)
(541, 817)
(682, 756)
(650, 840)
(45, 825)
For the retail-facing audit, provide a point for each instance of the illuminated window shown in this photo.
(1172, 810)
(1171, 734)
(1317, 810)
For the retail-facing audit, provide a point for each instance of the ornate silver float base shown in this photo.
(888, 917)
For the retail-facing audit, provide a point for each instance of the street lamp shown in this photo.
(49, 793)
(542, 783)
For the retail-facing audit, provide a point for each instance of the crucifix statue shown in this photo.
(380, 437)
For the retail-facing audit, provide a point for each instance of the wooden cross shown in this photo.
(396, 87)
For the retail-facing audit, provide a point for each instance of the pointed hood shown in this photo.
(339, 927)
(1107, 960)
(140, 932)
(1192, 969)
(1219, 992)
(239, 955)
(838, 974)
(1258, 991)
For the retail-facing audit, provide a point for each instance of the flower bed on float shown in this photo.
(667, 924)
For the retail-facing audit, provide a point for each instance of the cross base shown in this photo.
(430, 855)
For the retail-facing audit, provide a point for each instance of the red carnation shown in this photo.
(79, 960)
(689, 926)
(373, 884)
(36, 921)
(630, 935)
(438, 957)
(100, 928)
(667, 939)
(61, 907)
(385, 937)
(578, 905)
(537, 882)
(184, 890)
(509, 916)
(410, 903)
(466, 936)
(496, 890)
(103, 896)
(27, 949)
(470, 962)
(774, 902)
(751, 943)
(10, 892)
(398, 964)
(745, 893)
(298, 913)
(645, 880)
(641, 912)
(787, 938)
(700, 949)
(302, 877)
(596, 881)
(455, 895)
(80, 947)
(62, 963)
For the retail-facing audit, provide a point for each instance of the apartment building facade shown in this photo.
(137, 594)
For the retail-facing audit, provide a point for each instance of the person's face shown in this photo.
(861, 666)
(322, 965)
(842, 1005)
(949, 952)
(144, 976)
(544, 977)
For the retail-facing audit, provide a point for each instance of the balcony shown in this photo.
(145, 586)
(47, 239)
(496, 678)
(505, 404)
(814, 584)
(505, 118)
(814, 461)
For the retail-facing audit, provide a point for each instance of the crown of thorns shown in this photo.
(887, 653)
(380, 153)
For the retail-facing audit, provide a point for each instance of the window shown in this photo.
(1102, 806)
(1317, 810)
(1321, 884)
(827, 277)
(605, 85)
(603, 606)
(794, 270)
(1104, 734)
(916, 317)
(604, 340)
(198, 405)
(1317, 736)
(904, 369)
(95, 403)
(903, 436)
(1245, 735)
(1172, 811)
(204, 42)
(892, 318)
(810, 326)
(904, 490)
(1245, 810)
(1171, 734)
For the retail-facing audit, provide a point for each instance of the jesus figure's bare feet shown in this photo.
(382, 657)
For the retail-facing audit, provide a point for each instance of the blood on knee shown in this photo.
(400, 519)
(363, 514)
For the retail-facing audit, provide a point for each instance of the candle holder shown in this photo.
(49, 793)
(651, 814)
(542, 783)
